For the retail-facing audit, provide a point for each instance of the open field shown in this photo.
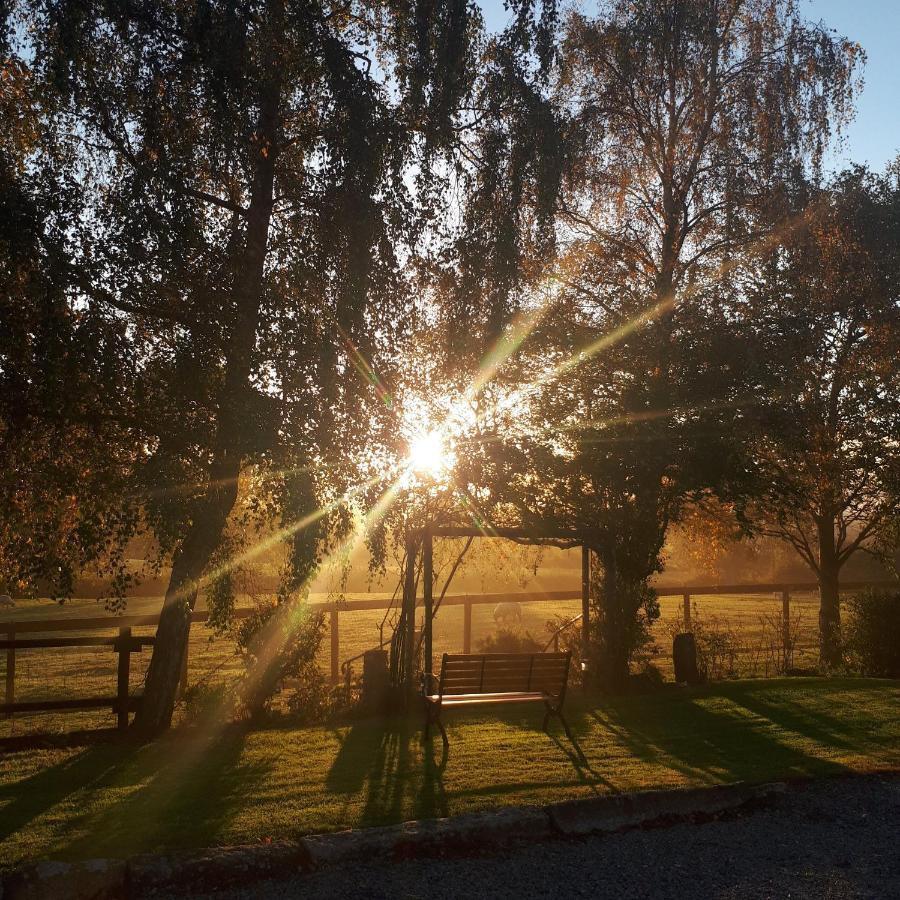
(206, 786)
(747, 622)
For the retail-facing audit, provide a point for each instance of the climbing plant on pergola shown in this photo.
(424, 537)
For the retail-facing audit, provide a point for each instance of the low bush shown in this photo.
(872, 633)
(506, 640)
(719, 646)
(278, 645)
(200, 700)
(646, 680)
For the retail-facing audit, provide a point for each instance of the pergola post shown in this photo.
(427, 587)
(409, 612)
(585, 612)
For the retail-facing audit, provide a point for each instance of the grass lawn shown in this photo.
(201, 787)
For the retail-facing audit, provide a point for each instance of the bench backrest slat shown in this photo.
(494, 673)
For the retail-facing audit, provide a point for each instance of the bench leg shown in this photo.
(557, 711)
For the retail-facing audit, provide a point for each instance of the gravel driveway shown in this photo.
(834, 839)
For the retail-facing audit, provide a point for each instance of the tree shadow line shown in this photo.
(180, 790)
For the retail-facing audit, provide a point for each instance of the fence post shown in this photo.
(686, 610)
(335, 644)
(11, 670)
(786, 627)
(124, 648)
(467, 626)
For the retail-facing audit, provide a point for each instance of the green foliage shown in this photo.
(872, 636)
(277, 643)
(625, 372)
(718, 648)
(66, 508)
(819, 471)
(311, 699)
(511, 173)
(203, 699)
(508, 640)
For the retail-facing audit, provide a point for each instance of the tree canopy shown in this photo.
(824, 309)
(250, 251)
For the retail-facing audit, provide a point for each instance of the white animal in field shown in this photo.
(6, 601)
(507, 614)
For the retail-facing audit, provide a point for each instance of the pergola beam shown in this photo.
(518, 534)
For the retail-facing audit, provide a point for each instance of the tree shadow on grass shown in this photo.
(528, 718)
(821, 724)
(707, 735)
(180, 791)
(570, 744)
(583, 767)
(32, 797)
(399, 776)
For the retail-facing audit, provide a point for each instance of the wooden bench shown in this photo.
(482, 679)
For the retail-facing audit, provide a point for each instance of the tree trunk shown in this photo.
(830, 655)
(612, 659)
(163, 676)
(205, 531)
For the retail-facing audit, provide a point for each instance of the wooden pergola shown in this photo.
(563, 539)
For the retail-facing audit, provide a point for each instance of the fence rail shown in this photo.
(124, 645)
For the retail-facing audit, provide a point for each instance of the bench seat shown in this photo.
(476, 699)
(487, 679)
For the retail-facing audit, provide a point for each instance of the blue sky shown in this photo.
(874, 136)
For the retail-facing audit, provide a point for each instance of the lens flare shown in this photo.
(429, 454)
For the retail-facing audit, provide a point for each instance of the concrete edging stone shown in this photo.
(143, 876)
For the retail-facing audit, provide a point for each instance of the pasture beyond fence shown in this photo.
(783, 618)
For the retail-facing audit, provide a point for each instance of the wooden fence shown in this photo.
(121, 703)
(125, 644)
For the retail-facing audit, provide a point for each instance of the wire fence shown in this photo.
(749, 631)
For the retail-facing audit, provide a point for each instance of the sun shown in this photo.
(429, 455)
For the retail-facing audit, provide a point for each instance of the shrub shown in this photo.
(203, 699)
(719, 646)
(279, 642)
(505, 640)
(646, 680)
(311, 699)
(872, 633)
(622, 629)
